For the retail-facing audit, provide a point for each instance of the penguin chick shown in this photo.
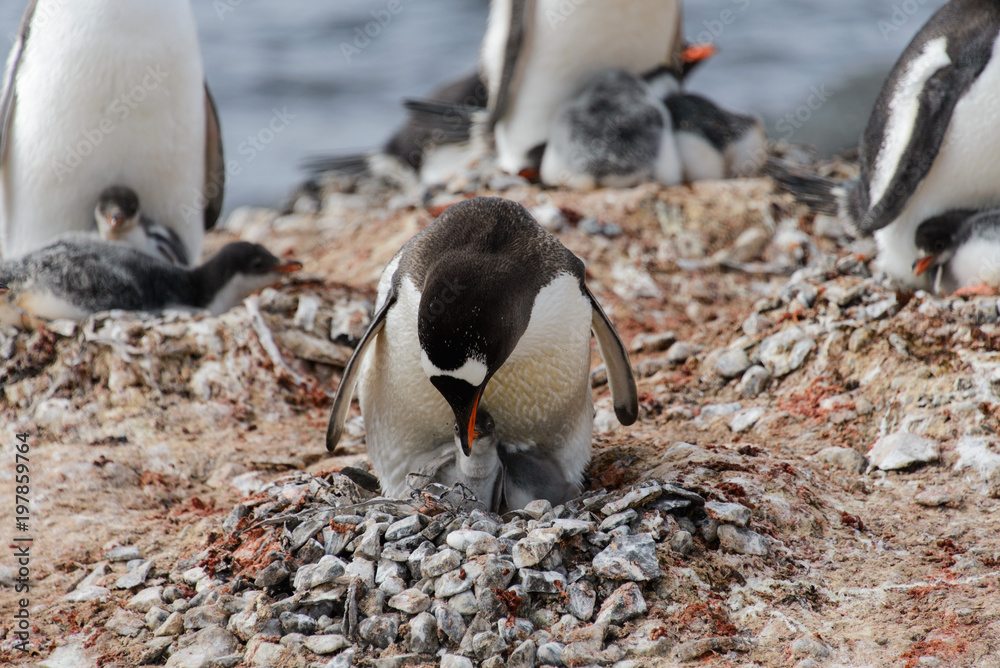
(79, 275)
(119, 219)
(962, 248)
(614, 133)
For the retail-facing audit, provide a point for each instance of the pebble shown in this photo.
(975, 453)
(623, 604)
(146, 599)
(649, 342)
(450, 623)
(272, 575)
(628, 558)
(785, 351)
(411, 601)
(548, 216)
(682, 542)
(550, 653)
(405, 527)
(901, 450)
(744, 420)
(742, 541)
(753, 381)
(933, 497)
(680, 352)
(455, 661)
(462, 539)
(531, 549)
(423, 634)
(125, 623)
(711, 411)
(524, 656)
(296, 623)
(203, 616)
(136, 577)
(548, 582)
(730, 513)
(207, 645)
(380, 631)
(123, 553)
(847, 459)
(732, 363)
(618, 519)
(327, 570)
(440, 563)
(326, 644)
(488, 644)
(580, 600)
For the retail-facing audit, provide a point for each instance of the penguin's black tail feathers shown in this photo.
(449, 122)
(819, 193)
(353, 164)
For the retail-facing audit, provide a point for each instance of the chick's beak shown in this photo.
(697, 53)
(115, 221)
(923, 264)
(3, 289)
(288, 267)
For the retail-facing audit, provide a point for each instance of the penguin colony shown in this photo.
(475, 369)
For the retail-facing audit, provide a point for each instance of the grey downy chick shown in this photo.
(78, 275)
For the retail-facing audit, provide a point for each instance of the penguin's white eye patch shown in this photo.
(472, 372)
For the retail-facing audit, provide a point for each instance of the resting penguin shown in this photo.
(78, 275)
(484, 307)
(537, 54)
(931, 143)
(960, 250)
(119, 218)
(99, 92)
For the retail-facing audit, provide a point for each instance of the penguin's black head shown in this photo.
(937, 237)
(469, 321)
(237, 271)
(243, 257)
(116, 206)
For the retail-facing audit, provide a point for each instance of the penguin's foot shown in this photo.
(981, 290)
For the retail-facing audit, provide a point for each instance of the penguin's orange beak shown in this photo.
(467, 426)
(288, 267)
(696, 53)
(115, 220)
(923, 264)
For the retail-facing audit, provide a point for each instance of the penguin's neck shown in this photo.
(482, 464)
(209, 282)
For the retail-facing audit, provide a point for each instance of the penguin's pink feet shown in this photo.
(981, 290)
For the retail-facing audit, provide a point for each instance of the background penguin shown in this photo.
(484, 306)
(119, 218)
(960, 250)
(427, 148)
(615, 133)
(537, 54)
(712, 143)
(931, 143)
(79, 275)
(106, 91)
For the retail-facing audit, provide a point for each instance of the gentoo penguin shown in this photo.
(614, 133)
(119, 219)
(712, 143)
(537, 54)
(482, 308)
(931, 143)
(961, 251)
(78, 275)
(429, 149)
(501, 476)
(106, 91)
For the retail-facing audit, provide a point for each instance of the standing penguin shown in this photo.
(106, 91)
(537, 54)
(931, 143)
(484, 307)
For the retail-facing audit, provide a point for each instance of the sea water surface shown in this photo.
(334, 71)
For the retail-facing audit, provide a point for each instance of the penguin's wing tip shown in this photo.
(620, 377)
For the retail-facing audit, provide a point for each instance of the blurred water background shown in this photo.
(811, 68)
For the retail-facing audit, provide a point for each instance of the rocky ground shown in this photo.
(812, 481)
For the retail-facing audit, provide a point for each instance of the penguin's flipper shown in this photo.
(8, 96)
(957, 44)
(620, 378)
(342, 402)
(215, 163)
(522, 14)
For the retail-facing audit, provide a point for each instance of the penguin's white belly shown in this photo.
(965, 175)
(540, 396)
(570, 43)
(975, 262)
(106, 94)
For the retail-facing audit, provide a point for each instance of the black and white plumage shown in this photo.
(78, 275)
(960, 250)
(501, 476)
(483, 307)
(119, 218)
(537, 54)
(106, 91)
(427, 148)
(931, 144)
